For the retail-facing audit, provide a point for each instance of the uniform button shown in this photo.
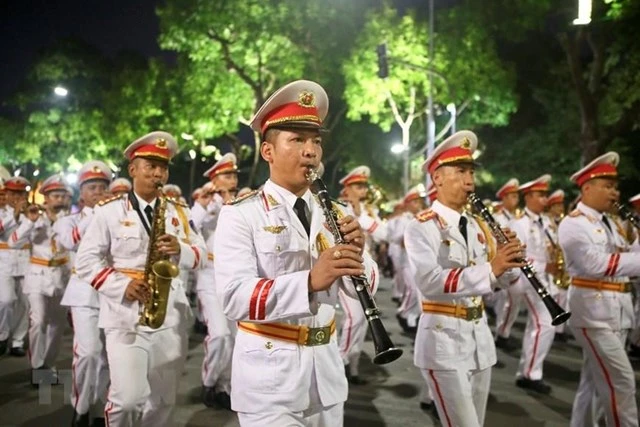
(278, 248)
(439, 326)
(268, 345)
(598, 295)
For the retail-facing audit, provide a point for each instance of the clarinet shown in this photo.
(558, 315)
(385, 351)
(626, 213)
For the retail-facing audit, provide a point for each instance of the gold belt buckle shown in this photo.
(318, 336)
(625, 287)
(474, 313)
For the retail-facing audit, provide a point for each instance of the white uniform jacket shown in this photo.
(395, 235)
(70, 230)
(262, 263)
(205, 221)
(592, 251)
(533, 234)
(14, 261)
(448, 270)
(371, 223)
(115, 240)
(45, 247)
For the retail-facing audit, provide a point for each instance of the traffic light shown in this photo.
(383, 66)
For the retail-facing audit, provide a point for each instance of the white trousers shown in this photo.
(14, 310)
(460, 396)
(537, 339)
(90, 368)
(397, 285)
(47, 322)
(145, 368)
(411, 305)
(331, 416)
(507, 308)
(353, 331)
(218, 344)
(607, 370)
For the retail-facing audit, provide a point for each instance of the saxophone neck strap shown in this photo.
(136, 206)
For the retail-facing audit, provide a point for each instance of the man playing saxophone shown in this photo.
(120, 246)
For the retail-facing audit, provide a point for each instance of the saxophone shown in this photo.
(561, 278)
(158, 270)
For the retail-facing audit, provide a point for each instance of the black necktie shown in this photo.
(462, 226)
(301, 210)
(540, 222)
(606, 222)
(149, 211)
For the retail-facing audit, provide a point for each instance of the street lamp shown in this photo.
(584, 13)
(400, 148)
(451, 108)
(60, 91)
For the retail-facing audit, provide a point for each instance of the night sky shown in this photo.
(31, 25)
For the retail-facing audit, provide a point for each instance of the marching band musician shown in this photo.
(509, 300)
(634, 336)
(144, 363)
(353, 328)
(600, 264)
(218, 348)
(533, 229)
(119, 186)
(278, 276)
(410, 307)
(451, 255)
(556, 211)
(45, 280)
(14, 306)
(90, 370)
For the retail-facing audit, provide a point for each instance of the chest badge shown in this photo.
(175, 222)
(274, 229)
(481, 238)
(126, 223)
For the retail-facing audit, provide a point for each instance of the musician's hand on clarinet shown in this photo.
(352, 232)
(507, 256)
(510, 234)
(335, 262)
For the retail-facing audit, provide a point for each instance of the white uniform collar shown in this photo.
(534, 216)
(590, 211)
(286, 195)
(450, 216)
(142, 204)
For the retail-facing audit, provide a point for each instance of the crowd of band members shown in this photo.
(260, 272)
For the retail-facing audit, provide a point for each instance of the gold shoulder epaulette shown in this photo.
(575, 213)
(177, 202)
(110, 199)
(242, 198)
(426, 215)
(519, 214)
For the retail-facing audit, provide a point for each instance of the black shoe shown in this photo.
(426, 406)
(208, 396)
(80, 420)
(561, 337)
(505, 344)
(17, 352)
(634, 351)
(98, 422)
(3, 347)
(200, 327)
(223, 400)
(538, 386)
(356, 380)
(499, 365)
(397, 300)
(403, 322)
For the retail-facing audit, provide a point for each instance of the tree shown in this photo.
(466, 69)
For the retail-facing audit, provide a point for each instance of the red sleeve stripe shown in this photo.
(197, 255)
(262, 308)
(447, 283)
(613, 264)
(14, 236)
(372, 228)
(373, 280)
(1, 226)
(99, 280)
(75, 233)
(253, 304)
(454, 281)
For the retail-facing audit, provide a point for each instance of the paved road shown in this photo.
(390, 398)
